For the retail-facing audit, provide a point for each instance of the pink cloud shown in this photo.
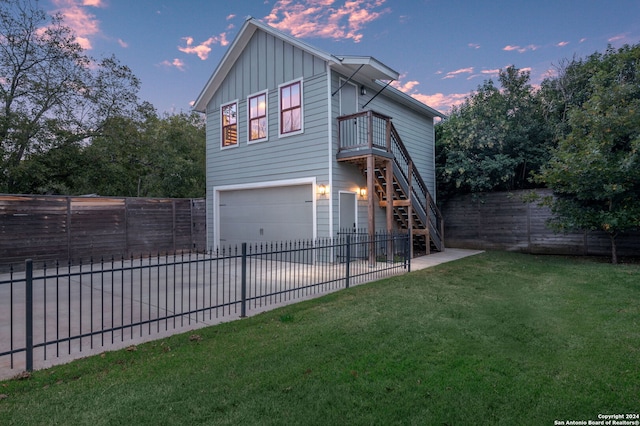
(562, 44)
(76, 17)
(618, 37)
(123, 43)
(520, 49)
(320, 18)
(176, 63)
(494, 71)
(440, 101)
(203, 49)
(454, 74)
(405, 87)
(474, 45)
(549, 73)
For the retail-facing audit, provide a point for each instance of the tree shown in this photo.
(495, 140)
(147, 156)
(178, 157)
(51, 93)
(595, 170)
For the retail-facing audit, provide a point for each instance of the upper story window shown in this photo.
(291, 108)
(257, 108)
(229, 120)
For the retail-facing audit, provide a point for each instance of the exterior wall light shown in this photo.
(363, 90)
(322, 190)
(363, 192)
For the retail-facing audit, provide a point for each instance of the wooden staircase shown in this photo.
(370, 140)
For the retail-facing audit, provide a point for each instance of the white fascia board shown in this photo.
(372, 68)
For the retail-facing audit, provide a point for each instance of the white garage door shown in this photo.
(273, 214)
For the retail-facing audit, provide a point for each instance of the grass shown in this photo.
(498, 338)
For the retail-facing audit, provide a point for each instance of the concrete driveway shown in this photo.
(160, 301)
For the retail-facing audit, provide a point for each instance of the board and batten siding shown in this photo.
(266, 63)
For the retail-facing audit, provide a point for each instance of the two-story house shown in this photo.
(304, 144)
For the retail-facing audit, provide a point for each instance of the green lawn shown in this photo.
(498, 338)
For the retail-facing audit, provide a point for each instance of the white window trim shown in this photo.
(297, 132)
(237, 124)
(266, 138)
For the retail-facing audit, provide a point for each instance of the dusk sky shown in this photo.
(442, 49)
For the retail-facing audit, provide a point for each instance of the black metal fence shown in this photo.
(49, 311)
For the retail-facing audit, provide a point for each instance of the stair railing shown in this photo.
(419, 189)
(371, 130)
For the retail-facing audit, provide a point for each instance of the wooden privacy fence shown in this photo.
(502, 221)
(62, 227)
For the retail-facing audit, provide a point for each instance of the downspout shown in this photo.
(330, 146)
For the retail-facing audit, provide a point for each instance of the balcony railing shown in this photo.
(372, 133)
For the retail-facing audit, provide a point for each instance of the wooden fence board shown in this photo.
(502, 221)
(74, 228)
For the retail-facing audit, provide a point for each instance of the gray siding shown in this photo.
(348, 177)
(277, 158)
(416, 132)
(266, 63)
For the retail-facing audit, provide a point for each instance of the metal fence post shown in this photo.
(243, 304)
(29, 312)
(407, 251)
(348, 271)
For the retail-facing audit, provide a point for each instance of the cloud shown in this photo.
(176, 63)
(405, 87)
(474, 45)
(549, 73)
(203, 49)
(519, 49)
(494, 71)
(123, 43)
(454, 74)
(84, 24)
(619, 37)
(562, 44)
(438, 101)
(320, 18)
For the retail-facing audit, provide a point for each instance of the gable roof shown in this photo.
(364, 68)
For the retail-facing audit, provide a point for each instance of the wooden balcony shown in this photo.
(369, 140)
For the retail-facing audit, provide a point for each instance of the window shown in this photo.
(291, 108)
(257, 106)
(229, 113)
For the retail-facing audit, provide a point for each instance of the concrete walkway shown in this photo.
(64, 352)
(434, 259)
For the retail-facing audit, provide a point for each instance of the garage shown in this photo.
(278, 213)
